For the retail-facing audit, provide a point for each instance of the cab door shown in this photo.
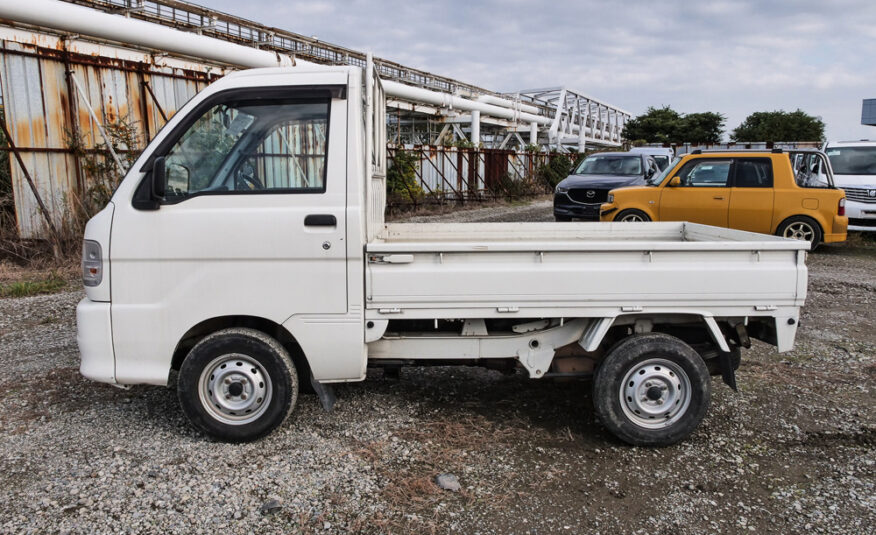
(703, 194)
(752, 195)
(251, 224)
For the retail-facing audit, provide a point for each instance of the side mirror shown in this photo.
(674, 182)
(159, 178)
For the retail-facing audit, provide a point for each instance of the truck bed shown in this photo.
(577, 269)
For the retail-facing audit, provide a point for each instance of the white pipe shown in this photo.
(514, 105)
(90, 22)
(533, 133)
(446, 100)
(476, 128)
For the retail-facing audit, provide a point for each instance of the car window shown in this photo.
(810, 170)
(754, 173)
(246, 146)
(705, 173)
(852, 160)
(610, 165)
(662, 161)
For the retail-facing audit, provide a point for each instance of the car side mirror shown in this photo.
(674, 181)
(159, 178)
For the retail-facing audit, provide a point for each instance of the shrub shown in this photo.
(401, 177)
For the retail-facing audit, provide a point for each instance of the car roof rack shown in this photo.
(775, 150)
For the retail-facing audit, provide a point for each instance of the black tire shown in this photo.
(562, 218)
(801, 222)
(662, 365)
(251, 389)
(631, 212)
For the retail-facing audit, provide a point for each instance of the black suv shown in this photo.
(580, 194)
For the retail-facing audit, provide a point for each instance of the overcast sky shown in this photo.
(733, 57)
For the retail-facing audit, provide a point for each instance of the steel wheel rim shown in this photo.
(235, 389)
(800, 231)
(655, 393)
(632, 218)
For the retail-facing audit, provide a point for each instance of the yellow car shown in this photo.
(789, 194)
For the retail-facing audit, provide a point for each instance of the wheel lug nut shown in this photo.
(243, 396)
(648, 384)
(228, 380)
(227, 396)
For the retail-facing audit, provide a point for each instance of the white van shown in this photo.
(854, 170)
(662, 155)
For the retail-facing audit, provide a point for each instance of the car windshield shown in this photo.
(658, 179)
(662, 161)
(610, 165)
(852, 160)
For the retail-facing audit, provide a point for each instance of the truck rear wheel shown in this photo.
(237, 385)
(651, 390)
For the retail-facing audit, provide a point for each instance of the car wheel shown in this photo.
(632, 216)
(651, 390)
(237, 385)
(801, 228)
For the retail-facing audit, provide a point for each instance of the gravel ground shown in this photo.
(793, 451)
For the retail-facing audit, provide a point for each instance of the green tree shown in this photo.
(656, 125)
(665, 125)
(705, 127)
(779, 126)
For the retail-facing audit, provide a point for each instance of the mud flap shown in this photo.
(325, 393)
(728, 373)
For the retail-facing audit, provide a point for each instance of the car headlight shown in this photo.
(562, 189)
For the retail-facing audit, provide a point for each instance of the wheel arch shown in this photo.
(813, 217)
(203, 329)
(600, 327)
(638, 208)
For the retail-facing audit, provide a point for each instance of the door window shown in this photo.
(754, 173)
(251, 146)
(706, 173)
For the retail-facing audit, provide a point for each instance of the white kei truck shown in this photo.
(246, 250)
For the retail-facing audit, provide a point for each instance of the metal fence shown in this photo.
(57, 91)
(458, 174)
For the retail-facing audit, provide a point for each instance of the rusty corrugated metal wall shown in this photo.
(43, 109)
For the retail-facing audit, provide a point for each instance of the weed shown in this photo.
(52, 284)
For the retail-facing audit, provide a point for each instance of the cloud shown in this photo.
(733, 57)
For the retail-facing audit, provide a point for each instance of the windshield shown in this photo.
(852, 160)
(658, 179)
(606, 164)
(662, 161)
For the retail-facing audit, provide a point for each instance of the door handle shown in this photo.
(718, 198)
(320, 220)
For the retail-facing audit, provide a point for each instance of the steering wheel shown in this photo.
(245, 178)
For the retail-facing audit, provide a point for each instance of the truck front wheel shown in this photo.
(237, 385)
(651, 390)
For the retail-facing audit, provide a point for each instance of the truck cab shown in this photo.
(245, 253)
